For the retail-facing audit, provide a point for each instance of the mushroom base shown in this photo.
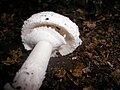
(33, 71)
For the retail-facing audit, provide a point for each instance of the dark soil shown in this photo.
(94, 65)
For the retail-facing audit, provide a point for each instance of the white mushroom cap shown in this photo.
(61, 24)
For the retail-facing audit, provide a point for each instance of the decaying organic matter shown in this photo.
(100, 52)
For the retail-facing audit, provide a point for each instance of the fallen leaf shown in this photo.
(91, 24)
(77, 71)
(60, 73)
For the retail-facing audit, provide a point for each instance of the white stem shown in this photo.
(33, 71)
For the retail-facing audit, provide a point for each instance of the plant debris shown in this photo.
(15, 56)
(94, 65)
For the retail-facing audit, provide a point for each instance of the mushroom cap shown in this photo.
(60, 23)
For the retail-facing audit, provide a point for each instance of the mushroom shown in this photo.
(46, 33)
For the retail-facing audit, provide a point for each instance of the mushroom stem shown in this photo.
(33, 71)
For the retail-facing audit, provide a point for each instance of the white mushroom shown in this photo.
(45, 33)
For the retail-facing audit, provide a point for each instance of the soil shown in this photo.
(94, 65)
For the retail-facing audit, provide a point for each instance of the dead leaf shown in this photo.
(110, 29)
(91, 24)
(80, 10)
(89, 54)
(16, 54)
(88, 88)
(77, 71)
(60, 73)
(90, 46)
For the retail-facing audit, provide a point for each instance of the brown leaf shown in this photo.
(80, 11)
(90, 46)
(110, 29)
(91, 24)
(89, 54)
(60, 73)
(88, 88)
(77, 71)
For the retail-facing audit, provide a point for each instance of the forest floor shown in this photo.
(94, 65)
